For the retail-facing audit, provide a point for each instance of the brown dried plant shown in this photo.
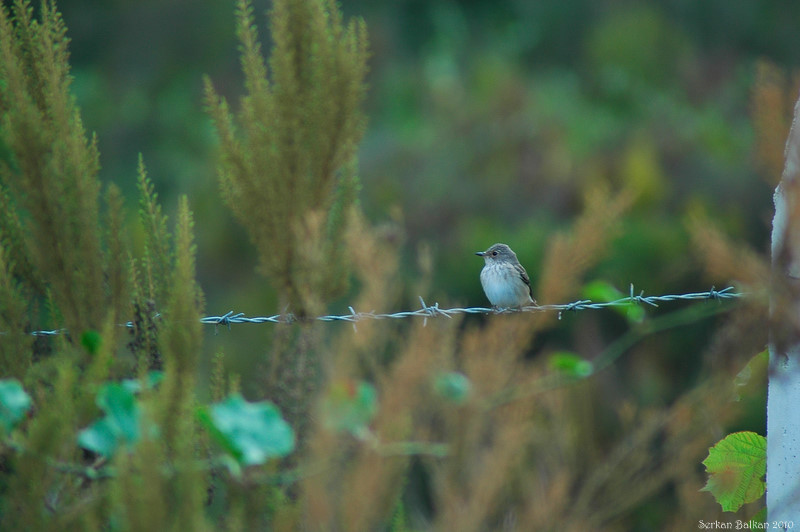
(773, 97)
(501, 448)
(570, 255)
(519, 455)
(723, 259)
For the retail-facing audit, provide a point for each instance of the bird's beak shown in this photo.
(480, 253)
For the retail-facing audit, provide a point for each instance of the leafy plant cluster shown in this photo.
(250, 433)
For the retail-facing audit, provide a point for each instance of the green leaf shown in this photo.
(751, 380)
(153, 378)
(601, 291)
(99, 438)
(14, 403)
(453, 386)
(119, 426)
(91, 341)
(604, 292)
(736, 466)
(350, 406)
(570, 364)
(251, 432)
(121, 409)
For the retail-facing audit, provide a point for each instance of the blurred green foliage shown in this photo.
(251, 432)
(350, 406)
(487, 113)
(14, 403)
(121, 424)
(487, 122)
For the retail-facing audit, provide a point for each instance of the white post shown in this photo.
(783, 396)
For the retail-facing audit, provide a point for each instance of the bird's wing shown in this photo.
(525, 279)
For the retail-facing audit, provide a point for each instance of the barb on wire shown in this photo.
(433, 311)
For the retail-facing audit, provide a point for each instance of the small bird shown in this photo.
(504, 280)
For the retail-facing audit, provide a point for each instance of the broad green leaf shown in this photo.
(350, 406)
(99, 438)
(14, 403)
(570, 364)
(453, 386)
(252, 432)
(120, 424)
(121, 410)
(736, 466)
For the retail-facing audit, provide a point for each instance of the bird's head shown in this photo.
(497, 252)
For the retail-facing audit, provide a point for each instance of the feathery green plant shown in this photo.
(288, 155)
(150, 277)
(15, 351)
(64, 254)
(181, 338)
(53, 181)
(157, 259)
(288, 170)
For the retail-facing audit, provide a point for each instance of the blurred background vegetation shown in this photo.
(488, 122)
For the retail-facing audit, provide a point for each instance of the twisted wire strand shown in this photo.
(433, 311)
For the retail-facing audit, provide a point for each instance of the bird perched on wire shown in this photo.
(504, 280)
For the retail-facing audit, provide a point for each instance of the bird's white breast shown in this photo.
(504, 287)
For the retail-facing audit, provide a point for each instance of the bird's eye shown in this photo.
(494, 253)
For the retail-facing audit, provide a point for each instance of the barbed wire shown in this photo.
(434, 311)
